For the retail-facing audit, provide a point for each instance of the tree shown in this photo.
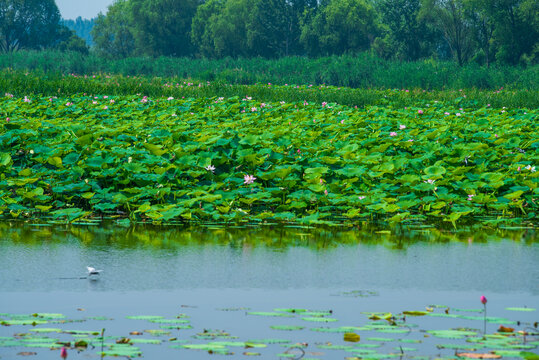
(202, 33)
(483, 26)
(82, 28)
(28, 24)
(516, 30)
(408, 37)
(220, 28)
(68, 40)
(341, 26)
(449, 16)
(163, 27)
(112, 33)
(266, 28)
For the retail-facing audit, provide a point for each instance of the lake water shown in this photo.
(233, 280)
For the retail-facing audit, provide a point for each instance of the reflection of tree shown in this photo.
(248, 238)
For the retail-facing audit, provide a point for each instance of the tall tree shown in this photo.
(516, 31)
(483, 26)
(268, 33)
(449, 16)
(221, 28)
(28, 24)
(202, 33)
(341, 26)
(163, 27)
(112, 33)
(408, 36)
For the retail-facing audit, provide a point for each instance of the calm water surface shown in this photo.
(201, 272)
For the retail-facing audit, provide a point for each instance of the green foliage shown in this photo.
(363, 70)
(72, 42)
(407, 37)
(165, 159)
(162, 27)
(341, 26)
(28, 24)
(82, 28)
(113, 34)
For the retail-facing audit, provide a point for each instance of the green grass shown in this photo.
(56, 84)
(359, 71)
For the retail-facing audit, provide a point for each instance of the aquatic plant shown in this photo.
(212, 159)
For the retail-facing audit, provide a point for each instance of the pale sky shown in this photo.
(87, 9)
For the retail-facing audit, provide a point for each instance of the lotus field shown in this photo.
(244, 159)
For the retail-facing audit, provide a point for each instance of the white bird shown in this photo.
(92, 271)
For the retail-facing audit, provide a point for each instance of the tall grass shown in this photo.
(359, 71)
(21, 84)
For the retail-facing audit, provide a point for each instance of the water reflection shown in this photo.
(274, 237)
(150, 257)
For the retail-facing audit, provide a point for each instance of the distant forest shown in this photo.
(81, 27)
(465, 31)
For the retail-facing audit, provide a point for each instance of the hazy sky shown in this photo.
(71, 9)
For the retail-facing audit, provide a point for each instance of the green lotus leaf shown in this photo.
(451, 334)
(435, 171)
(287, 327)
(5, 159)
(269, 313)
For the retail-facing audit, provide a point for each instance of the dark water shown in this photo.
(201, 271)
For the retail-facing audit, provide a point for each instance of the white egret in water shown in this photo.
(92, 271)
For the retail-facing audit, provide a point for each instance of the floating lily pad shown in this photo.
(145, 317)
(287, 327)
(451, 334)
(45, 330)
(263, 313)
(269, 341)
(157, 332)
(319, 319)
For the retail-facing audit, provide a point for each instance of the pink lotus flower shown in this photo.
(402, 127)
(326, 191)
(392, 133)
(420, 112)
(483, 300)
(63, 353)
(7, 119)
(248, 179)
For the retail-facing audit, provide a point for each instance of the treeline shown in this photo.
(81, 27)
(363, 70)
(35, 24)
(481, 31)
